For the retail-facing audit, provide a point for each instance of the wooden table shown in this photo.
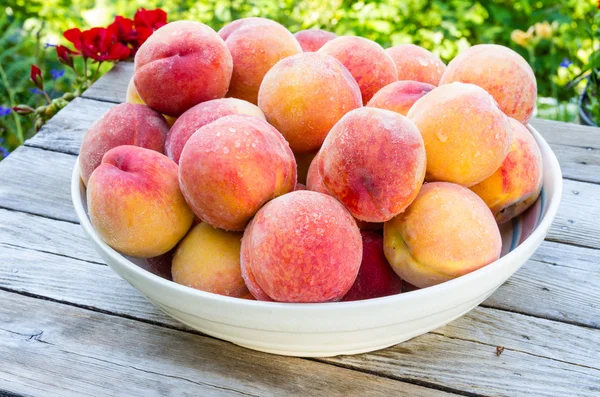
(69, 326)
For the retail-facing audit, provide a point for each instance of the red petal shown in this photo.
(74, 36)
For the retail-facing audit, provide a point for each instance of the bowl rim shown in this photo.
(539, 233)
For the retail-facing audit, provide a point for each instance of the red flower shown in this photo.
(100, 44)
(123, 29)
(65, 55)
(147, 21)
(36, 77)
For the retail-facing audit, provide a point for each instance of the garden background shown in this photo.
(553, 35)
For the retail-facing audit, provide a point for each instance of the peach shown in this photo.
(447, 232)
(516, 185)
(124, 124)
(311, 40)
(300, 186)
(255, 48)
(181, 65)
(466, 135)
(304, 95)
(416, 63)
(303, 161)
(367, 62)
(375, 277)
(133, 97)
(232, 26)
(301, 247)
(229, 168)
(500, 71)
(208, 259)
(200, 115)
(373, 161)
(159, 265)
(400, 96)
(135, 204)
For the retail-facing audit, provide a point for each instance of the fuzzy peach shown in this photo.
(375, 277)
(255, 48)
(399, 96)
(416, 63)
(159, 265)
(133, 97)
(367, 62)
(500, 71)
(135, 204)
(466, 135)
(311, 40)
(182, 64)
(373, 161)
(304, 95)
(232, 26)
(124, 124)
(302, 247)
(208, 259)
(229, 168)
(448, 231)
(516, 185)
(200, 115)
(303, 161)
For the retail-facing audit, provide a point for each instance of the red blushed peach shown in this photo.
(373, 161)
(304, 95)
(416, 63)
(182, 64)
(516, 185)
(400, 96)
(367, 62)
(208, 259)
(500, 71)
(255, 48)
(229, 168)
(231, 27)
(125, 124)
(302, 247)
(375, 277)
(466, 135)
(300, 186)
(303, 161)
(133, 97)
(311, 40)
(447, 232)
(200, 115)
(135, 204)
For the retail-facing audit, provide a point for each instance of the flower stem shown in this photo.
(47, 97)
(85, 76)
(97, 70)
(12, 103)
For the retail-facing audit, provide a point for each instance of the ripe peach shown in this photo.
(135, 204)
(399, 96)
(447, 232)
(159, 265)
(133, 97)
(304, 95)
(516, 185)
(373, 161)
(208, 259)
(302, 247)
(416, 63)
(182, 64)
(303, 161)
(300, 186)
(311, 40)
(125, 124)
(255, 48)
(200, 115)
(367, 62)
(229, 168)
(500, 71)
(375, 277)
(466, 135)
(232, 26)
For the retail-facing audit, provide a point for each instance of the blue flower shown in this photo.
(36, 91)
(566, 62)
(56, 74)
(4, 152)
(4, 111)
(49, 45)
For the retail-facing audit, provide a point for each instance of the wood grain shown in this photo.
(51, 349)
(112, 86)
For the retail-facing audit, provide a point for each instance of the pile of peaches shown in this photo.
(311, 168)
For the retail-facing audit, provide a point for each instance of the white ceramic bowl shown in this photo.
(328, 329)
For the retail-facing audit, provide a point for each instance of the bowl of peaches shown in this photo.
(313, 195)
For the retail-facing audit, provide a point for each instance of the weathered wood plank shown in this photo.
(64, 132)
(37, 181)
(557, 133)
(112, 87)
(56, 350)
